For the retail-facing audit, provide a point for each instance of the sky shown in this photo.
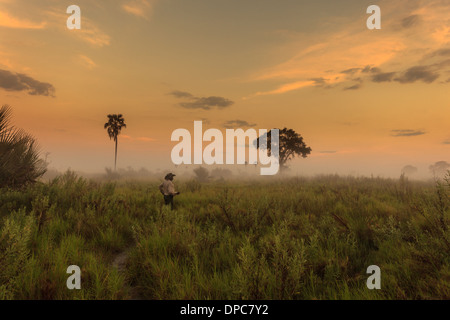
(365, 101)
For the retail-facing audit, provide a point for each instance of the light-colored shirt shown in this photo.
(167, 188)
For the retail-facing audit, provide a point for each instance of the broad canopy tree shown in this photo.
(409, 170)
(291, 144)
(114, 126)
(439, 168)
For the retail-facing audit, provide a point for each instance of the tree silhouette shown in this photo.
(409, 170)
(202, 174)
(439, 168)
(19, 157)
(291, 144)
(114, 126)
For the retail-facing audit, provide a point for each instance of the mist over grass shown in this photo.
(231, 173)
(289, 238)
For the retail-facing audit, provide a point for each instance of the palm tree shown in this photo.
(20, 163)
(114, 125)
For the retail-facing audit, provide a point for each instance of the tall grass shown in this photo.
(295, 238)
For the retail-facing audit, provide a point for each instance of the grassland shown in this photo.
(292, 238)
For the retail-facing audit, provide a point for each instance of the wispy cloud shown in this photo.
(383, 77)
(351, 71)
(9, 21)
(89, 32)
(205, 121)
(11, 81)
(418, 73)
(446, 142)
(5, 61)
(413, 30)
(354, 87)
(142, 139)
(411, 21)
(145, 139)
(205, 103)
(181, 94)
(86, 61)
(140, 8)
(285, 88)
(232, 124)
(407, 133)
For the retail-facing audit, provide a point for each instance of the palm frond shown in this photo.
(20, 163)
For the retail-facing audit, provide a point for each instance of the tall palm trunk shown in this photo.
(115, 123)
(115, 159)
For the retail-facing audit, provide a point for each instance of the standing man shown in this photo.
(168, 189)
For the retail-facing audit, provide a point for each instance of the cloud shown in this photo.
(427, 74)
(369, 69)
(441, 52)
(411, 21)
(407, 133)
(383, 77)
(422, 73)
(142, 139)
(446, 142)
(351, 71)
(53, 19)
(354, 87)
(205, 103)
(181, 94)
(328, 152)
(21, 82)
(232, 124)
(140, 8)
(285, 88)
(8, 21)
(441, 65)
(319, 82)
(145, 139)
(350, 48)
(89, 31)
(87, 62)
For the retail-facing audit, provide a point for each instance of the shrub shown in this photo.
(201, 174)
(19, 157)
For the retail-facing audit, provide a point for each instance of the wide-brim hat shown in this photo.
(169, 175)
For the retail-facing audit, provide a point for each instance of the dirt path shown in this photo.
(120, 263)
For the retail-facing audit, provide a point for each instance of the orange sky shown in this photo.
(366, 101)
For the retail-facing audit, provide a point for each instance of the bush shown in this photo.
(201, 174)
